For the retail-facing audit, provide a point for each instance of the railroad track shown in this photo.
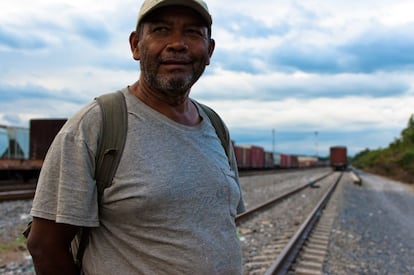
(242, 217)
(15, 191)
(311, 256)
(16, 195)
(285, 253)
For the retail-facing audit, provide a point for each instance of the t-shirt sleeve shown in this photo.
(66, 190)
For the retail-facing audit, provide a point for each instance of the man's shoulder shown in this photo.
(90, 114)
(87, 116)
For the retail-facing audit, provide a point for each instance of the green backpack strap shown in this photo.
(222, 133)
(110, 147)
(113, 136)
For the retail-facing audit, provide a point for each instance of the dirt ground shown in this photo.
(13, 246)
(16, 255)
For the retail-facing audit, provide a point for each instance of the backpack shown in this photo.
(113, 132)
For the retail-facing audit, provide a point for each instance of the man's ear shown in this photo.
(211, 47)
(133, 43)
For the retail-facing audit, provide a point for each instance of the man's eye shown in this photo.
(195, 32)
(160, 29)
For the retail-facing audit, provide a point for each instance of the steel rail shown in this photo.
(17, 195)
(16, 186)
(285, 259)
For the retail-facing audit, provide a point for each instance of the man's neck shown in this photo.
(181, 110)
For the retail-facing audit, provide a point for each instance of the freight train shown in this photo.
(338, 158)
(43, 131)
(252, 157)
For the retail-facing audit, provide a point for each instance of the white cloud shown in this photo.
(344, 114)
(294, 65)
(232, 85)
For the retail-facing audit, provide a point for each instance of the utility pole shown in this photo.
(316, 143)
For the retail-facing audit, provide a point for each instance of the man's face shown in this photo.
(173, 49)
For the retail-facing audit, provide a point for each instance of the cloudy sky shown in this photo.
(294, 76)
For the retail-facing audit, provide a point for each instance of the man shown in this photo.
(171, 206)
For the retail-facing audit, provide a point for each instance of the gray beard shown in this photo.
(172, 87)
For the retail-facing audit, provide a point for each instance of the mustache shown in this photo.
(175, 59)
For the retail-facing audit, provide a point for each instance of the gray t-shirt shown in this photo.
(170, 208)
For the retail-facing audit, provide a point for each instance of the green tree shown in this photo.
(395, 161)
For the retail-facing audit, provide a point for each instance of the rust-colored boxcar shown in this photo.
(257, 156)
(42, 133)
(249, 156)
(338, 157)
(288, 161)
(242, 156)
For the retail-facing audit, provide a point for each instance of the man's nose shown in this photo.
(177, 42)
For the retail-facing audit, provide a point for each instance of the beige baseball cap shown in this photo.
(197, 5)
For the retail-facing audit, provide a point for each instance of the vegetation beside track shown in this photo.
(18, 243)
(396, 161)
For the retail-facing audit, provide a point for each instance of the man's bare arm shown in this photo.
(49, 244)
